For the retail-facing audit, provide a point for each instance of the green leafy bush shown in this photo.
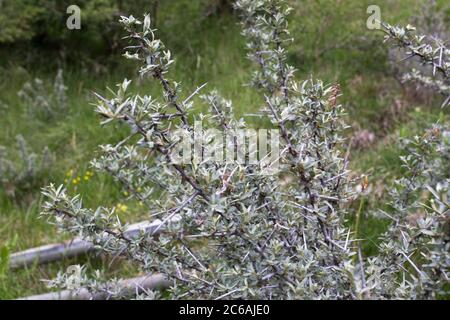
(17, 18)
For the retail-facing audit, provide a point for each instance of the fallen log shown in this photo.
(129, 286)
(73, 248)
(49, 253)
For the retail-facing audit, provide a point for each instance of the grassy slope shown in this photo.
(332, 43)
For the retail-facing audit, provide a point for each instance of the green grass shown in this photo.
(332, 43)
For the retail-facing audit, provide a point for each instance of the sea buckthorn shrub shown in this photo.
(414, 259)
(21, 169)
(427, 55)
(231, 230)
(43, 99)
(430, 21)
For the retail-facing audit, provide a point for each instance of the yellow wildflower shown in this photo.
(122, 207)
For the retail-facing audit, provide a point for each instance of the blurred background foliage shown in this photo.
(41, 23)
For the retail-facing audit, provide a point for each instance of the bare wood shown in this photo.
(130, 286)
(75, 247)
(49, 253)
